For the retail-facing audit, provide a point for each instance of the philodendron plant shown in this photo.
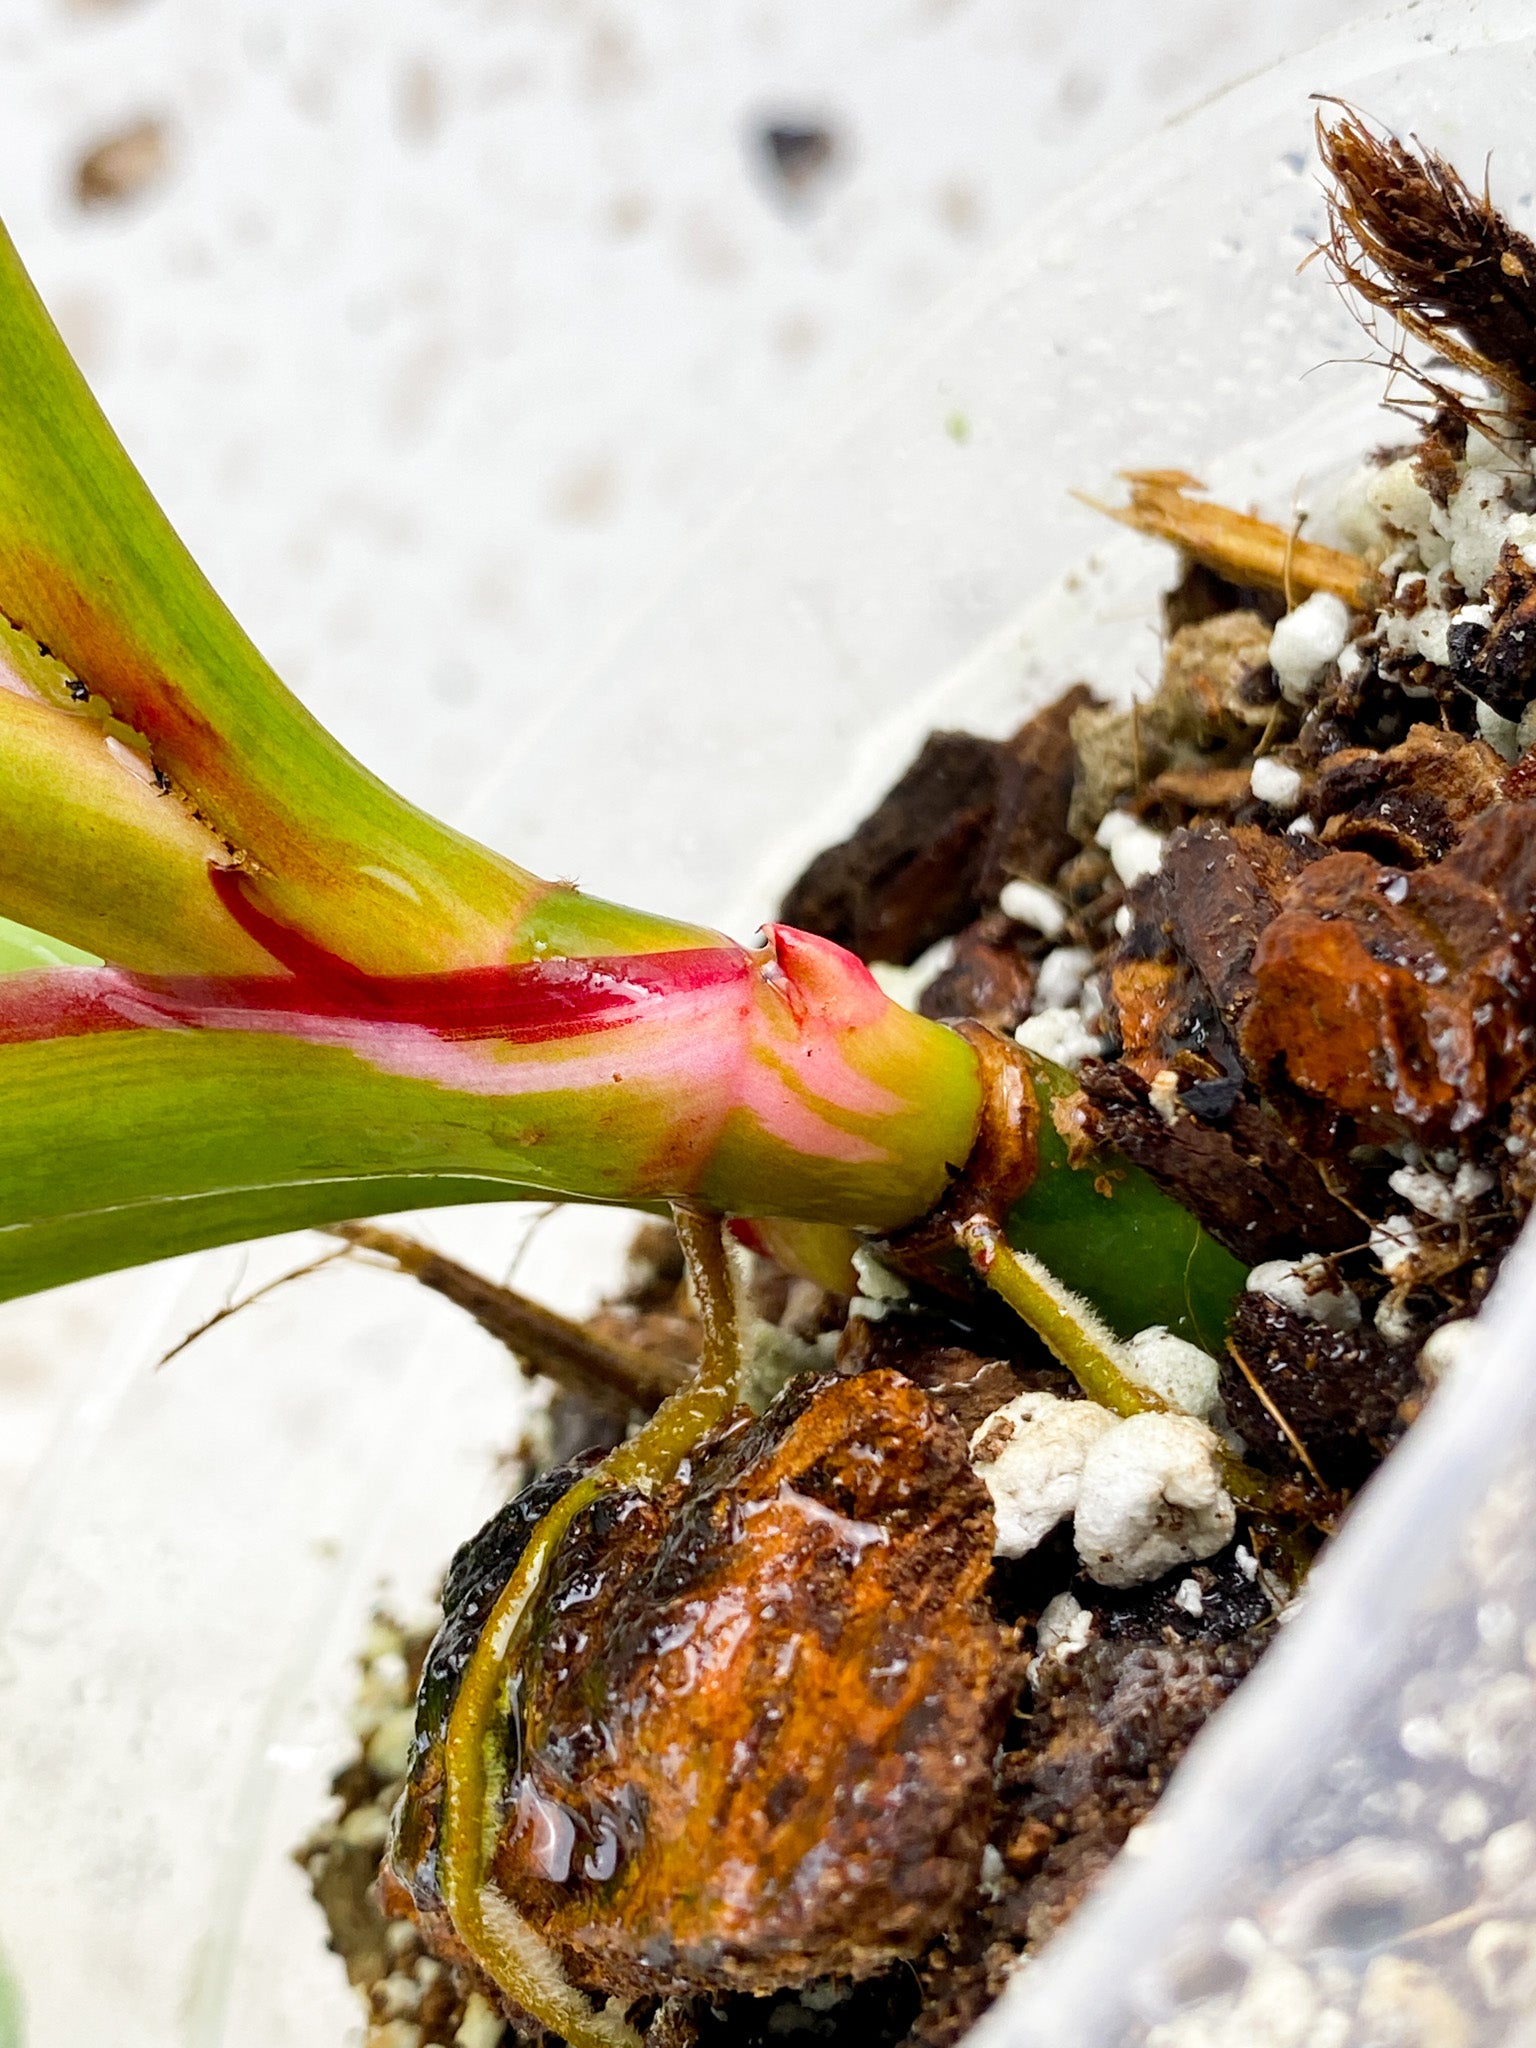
(248, 988)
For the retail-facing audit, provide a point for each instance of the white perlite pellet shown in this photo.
(1501, 1957)
(1275, 783)
(1472, 1182)
(878, 1287)
(1479, 522)
(1356, 514)
(1446, 1350)
(1502, 734)
(1403, 2001)
(1029, 1456)
(1060, 980)
(1305, 641)
(1178, 1372)
(1395, 1321)
(1395, 1245)
(389, 1746)
(395, 2034)
(1059, 1035)
(1150, 1497)
(1135, 850)
(1424, 1188)
(365, 1827)
(1397, 498)
(1063, 1629)
(905, 985)
(1463, 1818)
(480, 2027)
(1292, 1282)
(875, 1280)
(1508, 1857)
(1032, 904)
(1277, 2005)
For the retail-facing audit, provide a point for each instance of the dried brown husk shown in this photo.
(1410, 236)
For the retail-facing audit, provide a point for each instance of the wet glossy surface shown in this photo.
(758, 1708)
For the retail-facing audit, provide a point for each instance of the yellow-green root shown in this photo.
(1069, 1327)
(507, 1948)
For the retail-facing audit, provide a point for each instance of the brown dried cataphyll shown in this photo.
(819, 1724)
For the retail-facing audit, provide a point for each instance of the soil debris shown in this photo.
(1411, 238)
(1212, 703)
(969, 815)
(1248, 1184)
(1236, 545)
(682, 1816)
(1406, 805)
(1339, 1392)
(122, 166)
(1401, 999)
(1496, 659)
(384, 1957)
(911, 874)
(991, 975)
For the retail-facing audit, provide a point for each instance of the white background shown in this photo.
(449, 321)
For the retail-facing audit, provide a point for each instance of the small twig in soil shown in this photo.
(525, 1243)
(1272, 1409)
(614, 1377)
(233, 1308)
(1251, 552)
(1450, 1923)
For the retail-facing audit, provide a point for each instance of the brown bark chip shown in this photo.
(967, 1383)
(1411, 804)
(991, 977)
(911, 872)
(1029, 838)
(1182, 978)
(1401, 999)
(968, 815)
(1217, 892)
(759, 1706)
(1250, 1187)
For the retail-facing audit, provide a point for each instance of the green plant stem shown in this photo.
(1068, 1325)
(1108, 1233)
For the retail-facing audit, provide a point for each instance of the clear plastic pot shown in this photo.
(183, 1594)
